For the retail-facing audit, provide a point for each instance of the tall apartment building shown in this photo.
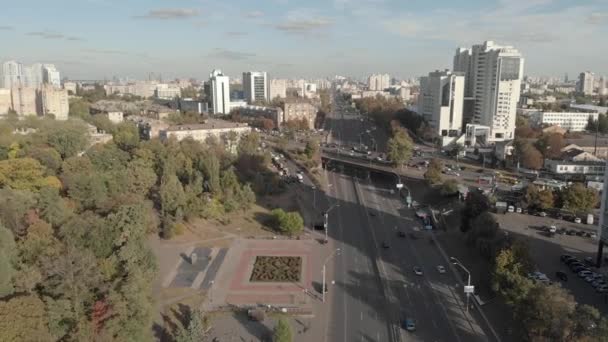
(51, 75)
(277, 88)
(255, 86)
(494, 79)
(54, 101)
(441, 102)
(24, 101)
(379, 81)
(602, 88)
(585, 83)
(11, 75)
(5, 101)
(220, 92)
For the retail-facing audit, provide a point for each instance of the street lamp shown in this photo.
(400, 186)
(324, 263)
(468, 289)
(314, 197)
(326, 218)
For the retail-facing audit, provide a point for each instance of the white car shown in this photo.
(417, 271)
(441, 269)
(577, 220)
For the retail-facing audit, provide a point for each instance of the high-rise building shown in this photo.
(585, 83)
(5, 101)
(51, 75)
(495, 75)
(24, 101)
(440, 102)
(54, 101)
(255, 86)
(277, 88)
(602, 87)
(11, 75)
(379, 81)
(220, 92)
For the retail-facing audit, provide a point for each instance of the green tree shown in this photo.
(539, 199)
(433, 173)
(400, 147)
(68, 140)
(312, 149)
(196, 328)
(249, 143)
(48, 157)
(282, 331)
(550, 145)
(580, 199)
(126, 136)
(547, 313)
(287, 223)
(79, 108)
(89, 190)
(14, 205)
(449, 187)
(23, 318)
(25, 174)
(531, 158)
(8, 258)
(509, 278)
(475, 204)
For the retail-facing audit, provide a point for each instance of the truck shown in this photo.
(589, 218)
(501, 207)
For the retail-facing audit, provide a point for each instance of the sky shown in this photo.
(96, 39)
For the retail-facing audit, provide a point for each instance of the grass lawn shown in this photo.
(277, 269)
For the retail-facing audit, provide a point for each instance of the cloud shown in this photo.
(598, 18)
(170, 13)
(106, 51)
(302, 22)
(254, 14)
(6, 28)
(46, 35)
(236, 33)
(230, 55)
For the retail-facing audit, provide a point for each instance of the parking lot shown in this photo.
(546, 250)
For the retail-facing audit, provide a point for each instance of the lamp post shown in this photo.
(314, 197)
(324, 263)
(326, 218)
(467, 289)
(400, 186)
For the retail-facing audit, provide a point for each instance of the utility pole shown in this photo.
(467, 289)
(324, 263)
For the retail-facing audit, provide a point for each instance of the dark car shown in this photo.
(571, 261)
(385, 245)
(571, 232)
(561, 231)
(565, 257)
(589, 261)
(580, 233)
(371, 213)
(401, 233)
(579, 268)
(561, 276)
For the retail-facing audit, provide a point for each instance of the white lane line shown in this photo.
(361, 315)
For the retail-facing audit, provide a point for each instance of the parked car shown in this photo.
(385, 245)
(565, 257)
(542, 214)
(602, 288)
(580, 233)
(440, 269)
(409, 324)
(401, 233)
(561, 276)
(417, 270)
(518, 210)
(584, 273)
(598, 283)
(579, 268)
(577, 220)
(571, 261)
(589, 261)
(571, 232)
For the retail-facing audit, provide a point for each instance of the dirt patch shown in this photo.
(276, 269)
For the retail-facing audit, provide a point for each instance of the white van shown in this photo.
(511, 209)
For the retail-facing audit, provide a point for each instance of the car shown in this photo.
(584, 273)
(417, 270)
(401, 234)
(579, 269)
(571, 232)
(440, 269)
(598, 283)
(587, 235)
(385, 245)
(542, 214)
(577, 220)
(565, 257)
(518, 210)
(552, 229)
(590, 279)
(580, 233)
(371, 213)
(571, 260)
(409, 324)
(561, 276)
(602, 288)
(561, 231)
(589, 261)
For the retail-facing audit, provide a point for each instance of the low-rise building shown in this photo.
(575, 164)
(71, 87)
(212, 128)
(167, 91)
(299, 110)
(96, 136)
(273, 113)
(115, 117)
(570, 121)
(148, 128)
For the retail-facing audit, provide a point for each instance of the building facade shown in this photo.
(495, 75)
(300, 110)
(277, 88)
(220, 92)
(51, 75)
(167, 91)
(379, 81)
(255, 86)
(11, 75)
(212, 128)
(5, 101)
(570, 121)
(586, 82)
(24, 101)
(273, 113)
(441, 102)
(54, 101)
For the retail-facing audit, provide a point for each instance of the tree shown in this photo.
(580, 199)
(550, 145)
(449, 187)
(48, 157)
(531, 158)
(539, 199)
(433, 173)
(79, 108)
(126, 136)
(249, 144)
(282, 331)
(68, 140)
(25, 174)
(23, 318)
(312, 149)
(400, 147)
(509, 278)
(8, 258)
(196, 328)
(547, 312)
(475, 204)
(287, 223)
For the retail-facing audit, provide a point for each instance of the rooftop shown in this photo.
(209, 124)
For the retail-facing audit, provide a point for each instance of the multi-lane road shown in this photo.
(375, 287)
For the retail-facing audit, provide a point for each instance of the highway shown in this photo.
(375, 287)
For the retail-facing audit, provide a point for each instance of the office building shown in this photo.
(495, 75)
(585, 83)
(277, 88)
(24, 101)
(570, 121)
(255, 86)
(5, 101)
(167, 91)
(440, 102)
(50, 75)
(54, 101)
(379, 82)
(11, 75)
(220, 92)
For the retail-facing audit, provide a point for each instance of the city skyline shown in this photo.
(350, 37)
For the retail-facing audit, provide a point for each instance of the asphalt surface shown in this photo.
(375, 287)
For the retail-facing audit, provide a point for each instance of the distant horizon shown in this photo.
(189, 38)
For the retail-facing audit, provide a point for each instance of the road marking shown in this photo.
(361, 315)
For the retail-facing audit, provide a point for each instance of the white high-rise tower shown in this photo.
(220, 92)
